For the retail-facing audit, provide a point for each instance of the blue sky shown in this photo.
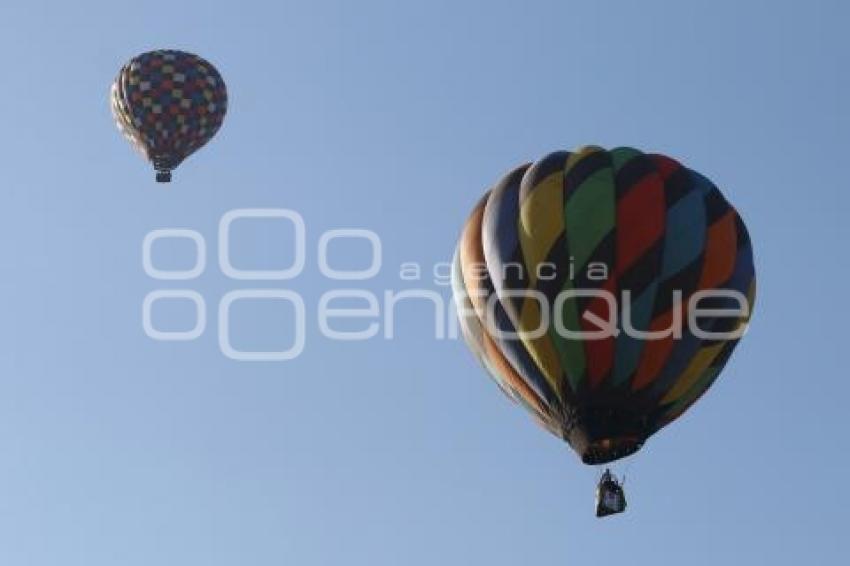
(117, 449)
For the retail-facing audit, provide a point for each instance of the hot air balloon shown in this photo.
(570, 276)
(168, 104)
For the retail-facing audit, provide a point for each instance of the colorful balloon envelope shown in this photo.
(575, 277)
(168, 104)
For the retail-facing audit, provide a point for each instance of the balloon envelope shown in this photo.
(168, 104)
(566, 266)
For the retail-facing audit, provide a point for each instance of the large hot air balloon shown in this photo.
(546, 245)
(168, 104)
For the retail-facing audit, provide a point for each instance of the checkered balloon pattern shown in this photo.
(168, 104)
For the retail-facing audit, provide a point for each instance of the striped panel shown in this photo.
(478, 281)
(489, 355)
(684, 240)
(640, 227)
(590, 221)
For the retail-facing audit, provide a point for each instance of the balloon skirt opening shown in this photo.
(609, 449)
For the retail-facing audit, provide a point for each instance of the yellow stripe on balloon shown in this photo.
(699, 363)
(541, 349)
(541, 222)
(581, 153)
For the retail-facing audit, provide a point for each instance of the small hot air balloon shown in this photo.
(576, 224)
(168, 104)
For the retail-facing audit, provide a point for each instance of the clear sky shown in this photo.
(116, 449)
